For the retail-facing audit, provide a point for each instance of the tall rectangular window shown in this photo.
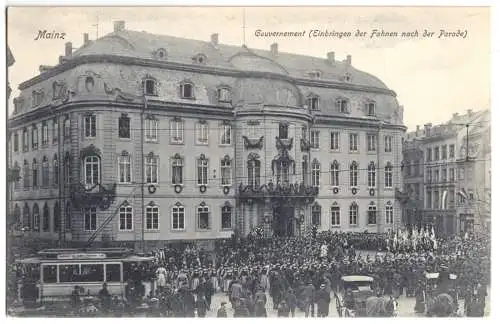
(178, 218)
(335, 215)
(388, 175)
(316, 171)
(225, 171)
(443, 152)
(389, 214)
(203, 217)
(177, 171)
(226, 217)
(371, 142)
(16, 142)
(253, 172)
(388, 143)
(34, 138)
(334, 174)
(125, 218)
(452, 151)
(90, 125)
(124, 168)
(176, 131)
(335, 141)
(372, 215)
(353, 214)
(316, 215)
(225, 134)
(315, 139)
(55, 130)
(45, 134)
(436, 153)
(124, 127)
(429, 155)
(372, 173)
(428, 199)
(353, 174)
(202, 175)
(202, 133)
(452, 174)
(151, 169)
(444, 175)
(353, 142)
(90, 218)
(152, 218)
(151, 130)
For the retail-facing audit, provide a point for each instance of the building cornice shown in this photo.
(114, 59)
(353, 121)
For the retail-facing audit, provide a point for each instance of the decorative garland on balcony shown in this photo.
(305, 146)
(102, 197)
(253, 143)
(284, 144)
(295, 190)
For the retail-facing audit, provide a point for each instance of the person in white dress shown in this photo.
(161, 278)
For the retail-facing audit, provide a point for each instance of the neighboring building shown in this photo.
(226, 131)
(450, 185)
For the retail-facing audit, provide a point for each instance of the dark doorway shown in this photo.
(283, 221)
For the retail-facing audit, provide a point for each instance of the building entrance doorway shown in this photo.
(283, 221)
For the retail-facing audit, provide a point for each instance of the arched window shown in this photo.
(46, 218)
(178, 217)
(45, 172)
(353, 174)
(91, 170)
(202, 174)
(34, 137)
(55, 164)
(316, 214)
(126, 218)
(124, 169)
(26, 175)
(334, 173)
(335, 214)
(150, 87)
(313, 102)
(203, 217)
(372, 214)
(372, 175)
(34, 168)
(176, 131)
(36, 218)
(177, 170)
(201, 132)
(152, 217)
(67, 168)
(370, 108)
(67, 216)
(225, 171)
(388, 175)
(224, 94)
(253, 170)
(187, 90)
(342, 105)
(226, 217)
(389, 213)
(353, 214)
(124, 126)
(57, 218)
(282, 170)
(316, 171)
(26, 216)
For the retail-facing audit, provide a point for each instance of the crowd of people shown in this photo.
(300, 273)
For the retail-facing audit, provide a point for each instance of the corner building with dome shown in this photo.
(135, 137)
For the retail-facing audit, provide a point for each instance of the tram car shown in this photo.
(54, 273)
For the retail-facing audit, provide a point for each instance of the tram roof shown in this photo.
(37, 260)
(97, 253)
(357, 279)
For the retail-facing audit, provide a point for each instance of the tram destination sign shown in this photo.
(74, 256)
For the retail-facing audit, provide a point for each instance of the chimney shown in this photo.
(455, 115)
(85, 38)
(331, 57)
(349, 59)
(44, 68)
(214, 39)
(418, 129)
(469, 112)
(427, 128)
(68, 49)
(274, 49)
(119, 26)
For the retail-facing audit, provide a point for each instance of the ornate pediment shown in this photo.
(99, 195)
(118, 93)
(283, 160)
(284, 143)
(89, 151)
(253, 143)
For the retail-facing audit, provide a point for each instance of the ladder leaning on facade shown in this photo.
(108, 220)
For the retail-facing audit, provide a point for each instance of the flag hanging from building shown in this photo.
(463, 193)
(443, 200)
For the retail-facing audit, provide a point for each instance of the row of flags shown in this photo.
(412, 237)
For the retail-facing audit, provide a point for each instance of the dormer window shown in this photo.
(18, 104)
(316, 75)
(347, 77)
(200, 59)
(342, 106)
(224, 95)
(313, 102)
(161, 54)
(283, 131)
(187, 90)
(150, 87)
(370, 108)
(37, 97)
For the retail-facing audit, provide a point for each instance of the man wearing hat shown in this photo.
(323, 301)
(222, 311)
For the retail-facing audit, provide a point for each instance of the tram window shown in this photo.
(69, 273)
(50, 273)
(92, 273)
(112, 272)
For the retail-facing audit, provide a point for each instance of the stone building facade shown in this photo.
(454, 187)
(140, 137)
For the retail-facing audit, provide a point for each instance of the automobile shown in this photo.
(355, 290)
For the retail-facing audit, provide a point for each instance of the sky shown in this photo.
(433, 77)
